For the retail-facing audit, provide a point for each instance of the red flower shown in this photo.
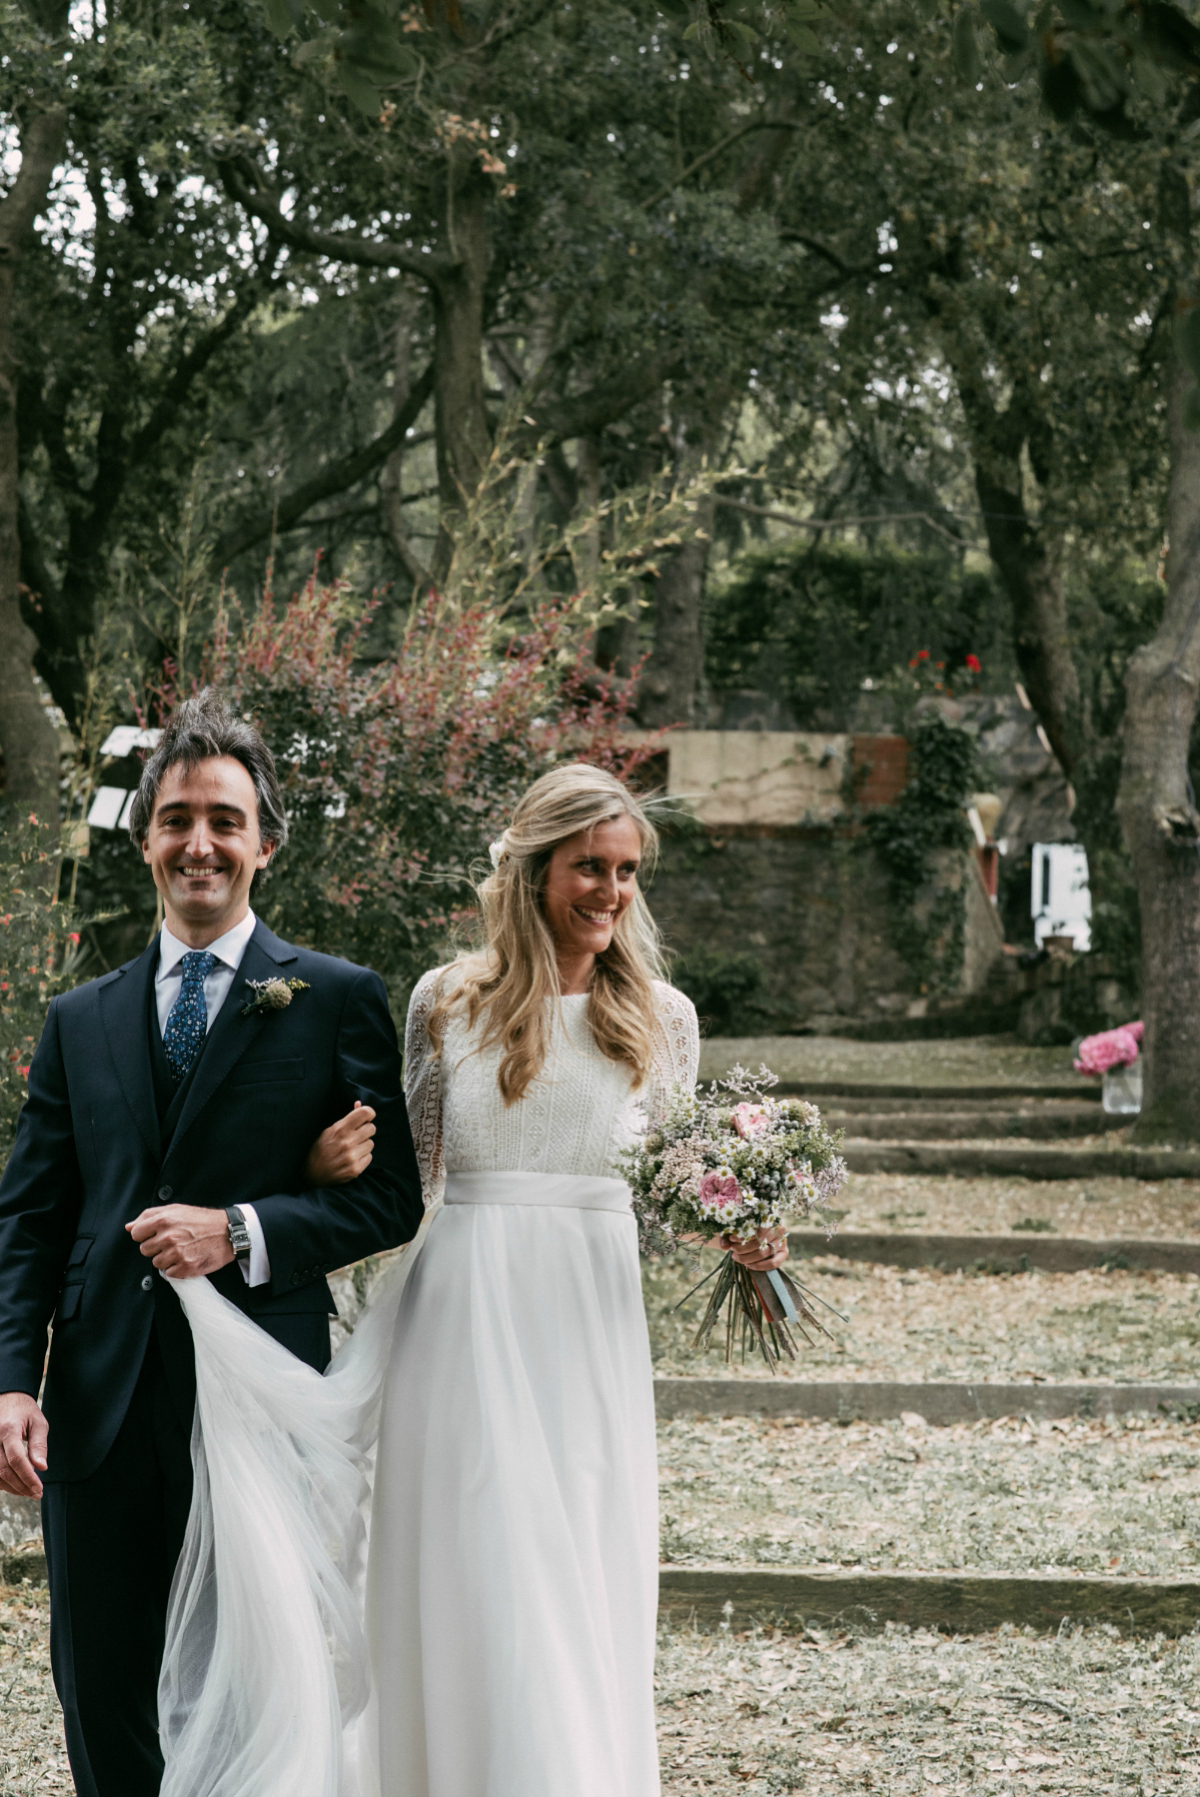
(73, 936)
(922, 655)
(24, 1072)
(975, 665)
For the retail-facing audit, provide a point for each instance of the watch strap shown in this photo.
(239, 1234)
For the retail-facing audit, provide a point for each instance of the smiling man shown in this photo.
(227, 1106)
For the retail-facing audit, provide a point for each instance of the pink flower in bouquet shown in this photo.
(750, 1119)
(722, 1192)
(1111, 1048)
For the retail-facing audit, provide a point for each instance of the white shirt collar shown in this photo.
(228, 948)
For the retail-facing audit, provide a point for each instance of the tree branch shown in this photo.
(244, 183)
(583, 414)
(335, 478)
(710, 155)
(195, 361)
(41, 142)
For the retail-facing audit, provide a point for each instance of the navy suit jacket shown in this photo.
(88, 1159)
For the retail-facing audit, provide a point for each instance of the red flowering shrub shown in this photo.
(397, 774)
(38, 957)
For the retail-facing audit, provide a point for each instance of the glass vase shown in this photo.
(1123, 1090)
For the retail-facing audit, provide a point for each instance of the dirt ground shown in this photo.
(1006, 1496)
(926, 1324)
(1103, 1209)
(1083, 1713)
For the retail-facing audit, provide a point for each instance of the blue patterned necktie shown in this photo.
(187, 1025)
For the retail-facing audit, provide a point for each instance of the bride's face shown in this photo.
(591, 879)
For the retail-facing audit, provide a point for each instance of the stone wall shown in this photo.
(774, 866)
(809, 905)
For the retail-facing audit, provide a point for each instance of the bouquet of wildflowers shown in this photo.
(729, 1161)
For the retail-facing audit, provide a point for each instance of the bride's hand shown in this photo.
(344, 1150)
(769, 1249)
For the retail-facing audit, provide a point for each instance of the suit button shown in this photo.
(165, 1193)
(147, 1283)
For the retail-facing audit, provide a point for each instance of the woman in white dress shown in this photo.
(511, 1586)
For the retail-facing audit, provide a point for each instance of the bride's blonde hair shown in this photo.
(510, 981)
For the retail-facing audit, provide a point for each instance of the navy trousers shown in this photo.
(112, 1542)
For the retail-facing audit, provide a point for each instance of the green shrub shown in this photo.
(726, 990)
(39, 956)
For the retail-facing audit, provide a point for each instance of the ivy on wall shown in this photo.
(929, 919)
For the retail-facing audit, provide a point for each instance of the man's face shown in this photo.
(203, 847)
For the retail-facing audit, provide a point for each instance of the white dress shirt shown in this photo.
(228, 950)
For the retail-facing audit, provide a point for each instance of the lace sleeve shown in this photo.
(423, 1086)
(677, 1046)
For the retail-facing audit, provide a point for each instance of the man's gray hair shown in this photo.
(198, 728)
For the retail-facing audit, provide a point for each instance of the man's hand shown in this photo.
(24, 1433)
(182, 1239)
(769, 1249)
(344, 1150)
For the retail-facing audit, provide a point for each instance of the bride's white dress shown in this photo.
(511, 1582)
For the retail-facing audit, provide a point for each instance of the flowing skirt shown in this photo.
(514, 1549)
(511, 1511)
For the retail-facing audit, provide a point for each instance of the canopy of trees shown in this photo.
(902, 292)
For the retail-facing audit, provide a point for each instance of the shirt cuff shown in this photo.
(258, 1272)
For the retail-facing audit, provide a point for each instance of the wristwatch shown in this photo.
(239, 1235)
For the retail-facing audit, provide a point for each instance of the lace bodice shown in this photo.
(578, 1113)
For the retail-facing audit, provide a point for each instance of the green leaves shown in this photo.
(966, 47)
(284, 16)
(735, 27)
(369, 52)
(1012, 33)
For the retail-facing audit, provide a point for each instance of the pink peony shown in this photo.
(750, 1119)
(1111, 1048)
(721, 1192)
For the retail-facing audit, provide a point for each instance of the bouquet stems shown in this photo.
(755, 1313)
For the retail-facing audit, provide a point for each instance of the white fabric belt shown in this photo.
(570, 1191)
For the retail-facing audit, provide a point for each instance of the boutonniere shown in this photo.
(272, 995)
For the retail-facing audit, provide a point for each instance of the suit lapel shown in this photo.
(231, 1033)
(125, 1008)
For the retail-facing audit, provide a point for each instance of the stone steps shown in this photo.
(1049, 1122)
(940, 1403)
(857, 1091)
(732, 1597)
(1019, 1252)
(985, 1161)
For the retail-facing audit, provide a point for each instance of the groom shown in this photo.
(172, 1108)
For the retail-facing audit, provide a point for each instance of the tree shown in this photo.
(27, 738)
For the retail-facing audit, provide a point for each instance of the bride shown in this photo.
(510, 1586)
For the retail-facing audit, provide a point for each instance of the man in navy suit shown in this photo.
(170, 1129)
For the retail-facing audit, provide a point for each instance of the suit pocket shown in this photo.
(80, 1251)
(267, 1073)
(68, 1303)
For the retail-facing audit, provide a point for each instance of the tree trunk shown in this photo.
(391, 482)
(463, 437)
(1030, 568)
(27, 737)
(671, 688)
(1158, 812)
